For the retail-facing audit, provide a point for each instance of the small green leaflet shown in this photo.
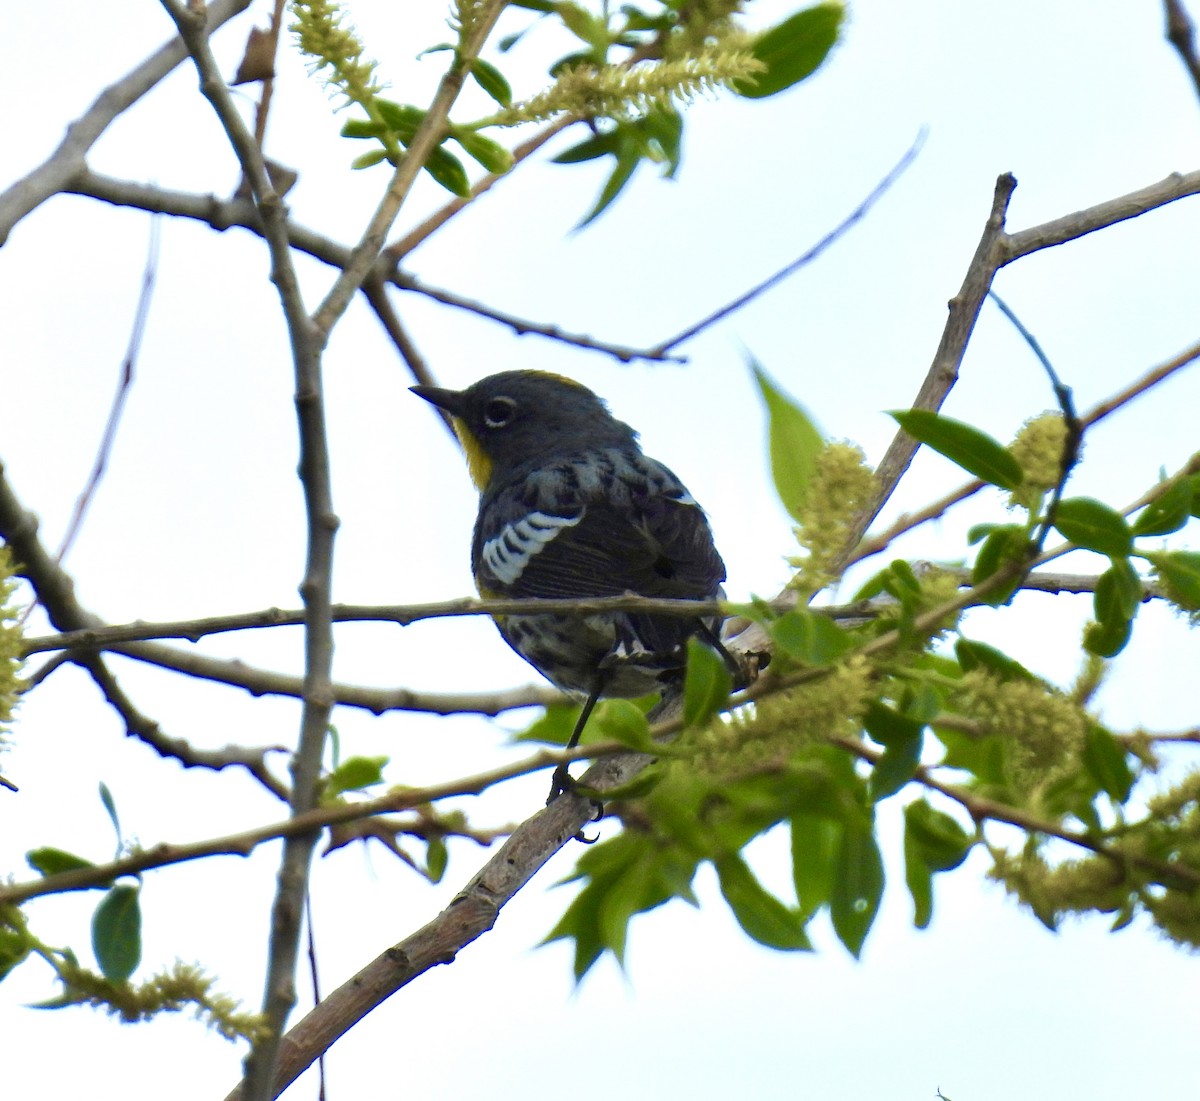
(795, 443)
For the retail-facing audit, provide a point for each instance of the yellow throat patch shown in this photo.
(479, 466)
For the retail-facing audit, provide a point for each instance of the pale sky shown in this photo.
(200, 512)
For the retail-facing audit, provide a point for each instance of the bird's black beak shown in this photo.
(452, 401)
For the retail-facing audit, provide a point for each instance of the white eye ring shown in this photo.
(498, 412)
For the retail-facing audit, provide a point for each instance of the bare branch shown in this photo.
(56, 591)
(943, 372)
(859, 212)
(403, 614)
(1181, 33)
(1073, 226)
(109, 436)
(67, 161)
(523, 327)
(310, 822)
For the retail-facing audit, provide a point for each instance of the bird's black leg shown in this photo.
(561, 781)
(731, 663)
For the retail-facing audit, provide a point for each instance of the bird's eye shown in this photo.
(498, 412)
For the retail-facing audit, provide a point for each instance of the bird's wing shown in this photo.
(661, 546)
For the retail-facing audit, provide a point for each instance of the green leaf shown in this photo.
(553, 726)
(943, 841)
(1168, 513)
(488, 152)
(1118, 593)
(363, 128)
(111, 806)
(628, 157)
(896, 767)
(492, 81)
(706, 686)
(795, 443)
(1179, 576)
(603, 144)
(810, 637)
(1094, 526)
(888, 727)
(580, 22)
(437, 856)
(622, 721)
(815, 843)
(369, 159)
(448, 170)
(403, 119)
(15, 947)
(979, 655)
(933, 842)
(764, 917)
(793, 50)
(1003, 546)
(857, 888)
(117, 933)
(1104, 758)
(964, 445)
(354, 774)
(1107, 640)
(48, 861)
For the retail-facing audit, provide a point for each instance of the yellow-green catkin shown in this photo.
(323, 33)
(828, 707)
(1045, 730)
(1038, 449)
(842, 486)
(11, 662)
(1088, 885)
(1165, 582)
(618, 93)
(169, 991)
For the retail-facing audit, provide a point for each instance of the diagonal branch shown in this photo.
(832, 237)
(1181, 33)
(56, 592)
(428, 136)
(67, 161)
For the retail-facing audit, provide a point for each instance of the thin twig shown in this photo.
(223, 214)
(164, 855)
(859, 212)
(124, 384)
(396, 251)
(56, 592)
(524, 327)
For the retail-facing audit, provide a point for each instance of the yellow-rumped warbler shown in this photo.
(570, 507)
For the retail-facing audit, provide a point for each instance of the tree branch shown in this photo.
(68, 160)
(1073, 226)
(1181, 33)
(313, 821)
(307, 338)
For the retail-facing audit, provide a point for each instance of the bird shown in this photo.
(571, 507)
